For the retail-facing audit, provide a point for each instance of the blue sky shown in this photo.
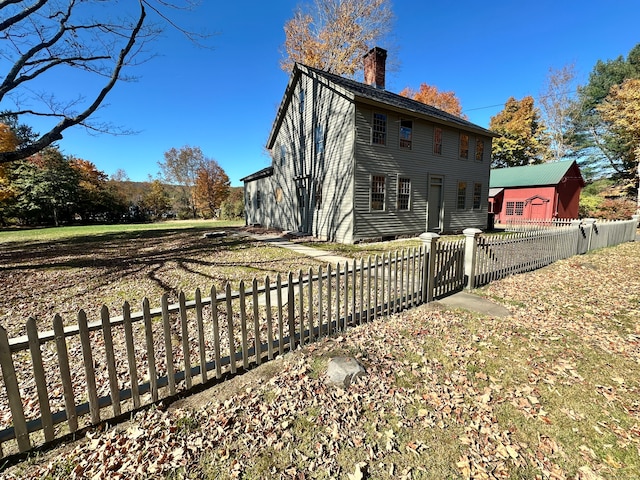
(224, 99)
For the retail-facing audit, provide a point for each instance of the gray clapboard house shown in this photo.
(352, 161)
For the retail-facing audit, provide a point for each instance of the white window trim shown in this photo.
(409, 206)
(386, 193)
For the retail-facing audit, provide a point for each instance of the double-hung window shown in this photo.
(437, 140)
(379, 131)
(464, 146)
(377, 192)
(462, 195)
(406, 133)
(477, 196)
(404, 193)
(479, 149)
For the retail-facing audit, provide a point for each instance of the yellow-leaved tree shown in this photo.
(8, 143)
(334, 35)
(430, 95)
(621, 111)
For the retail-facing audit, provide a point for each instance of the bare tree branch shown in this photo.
(40, 37)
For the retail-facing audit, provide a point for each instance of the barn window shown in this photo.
(477, 196)
(437, 140)
(377, 192)
(404, 193)
(464, 146)
(406, 133)
(379, 133)
(510, 208)
(519, 211)
(462, 195)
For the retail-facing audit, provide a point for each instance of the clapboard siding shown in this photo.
(418, 164)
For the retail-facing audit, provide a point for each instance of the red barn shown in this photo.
(535, 192)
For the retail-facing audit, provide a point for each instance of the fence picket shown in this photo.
(65, 373)
(90, 376)
(345, 320)
(111, 360)
(310, 301)
(13, 393)
(368, 288)
(168, 346)
(337, 329)
(201, 345)
(40, 379)
(280, 318)
(267, 301)
(361, 290)
(230, 332)
(301, 307)
(184, 333)
(151, 356)
(131, 354)
(257, 343)
(216, 331)
(243, 326)
(354, 291)
(291, 310)
(329, 319)
(320, 302)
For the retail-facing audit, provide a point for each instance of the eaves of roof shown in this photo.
(265, 172)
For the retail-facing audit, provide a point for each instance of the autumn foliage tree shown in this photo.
(334, 35)
(430, 95)
(522, 138)
(211, 188)
(621, 110)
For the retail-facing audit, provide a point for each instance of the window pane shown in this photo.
(377, 192)
(464, 145)
(462, 195)
(479, 149)
(477, 195)
(437, 141)
(406, 133)
(379, 129)
(509, 209)
(404, 193)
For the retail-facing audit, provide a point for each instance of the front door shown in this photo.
(434, 206)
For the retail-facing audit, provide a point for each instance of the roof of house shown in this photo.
(371, 94)
(530, 175)
(265, 172)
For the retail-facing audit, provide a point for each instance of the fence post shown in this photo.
(589, 227)
(470, 251)
(429, 240)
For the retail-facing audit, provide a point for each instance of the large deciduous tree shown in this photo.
(557, 106)
(621, 111)
(603, 150)
(522, 138)
(180, 167)
(446, 101)
(87, 40)
(334, 35)
(211, 188)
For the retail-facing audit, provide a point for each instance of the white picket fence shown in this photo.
(62, 381)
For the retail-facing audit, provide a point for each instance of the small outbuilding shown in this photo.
(535, 192)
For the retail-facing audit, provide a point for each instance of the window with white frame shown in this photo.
(258, 199)
(379, 131)
(377, 192)
(406, 133)
(283, 155)
(477, 196)
(519, 210)
(464, 146)
(462, 195)
(479, 149)
(437, 140)
(509, 209)
(404, 194)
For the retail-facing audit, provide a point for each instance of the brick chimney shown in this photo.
(374, 67)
